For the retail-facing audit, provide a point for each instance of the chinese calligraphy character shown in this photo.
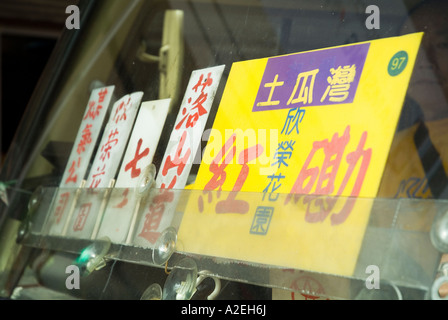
(177, 161)
(325, 177)
(339, 83)
(226, 155)
(207, 82)
(201, 201)
(274, 188)
(333, 154)
(261, 221)
(155, 214)
(193, 118)
(59, 212)
(294, 116)
(72, 176)
(198, 108)
(307, 284)
(285, 154)
(86, 139)
(93, 112)
(271, 85)
(82, 217)
(101, 95)
(152, 222)
(105, 149)
(124, 202)
(96, 179)
(120, 112)
(305, 94)
(132, 165)
(352, 160)
(325, 205)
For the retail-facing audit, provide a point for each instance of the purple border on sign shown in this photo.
(286, 69)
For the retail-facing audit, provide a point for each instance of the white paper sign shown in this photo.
(190, 123)
(78, 162)
(184, 142)
(86, 138)
(105, 166)
(143, 143)
(114, 141)
(139, 154)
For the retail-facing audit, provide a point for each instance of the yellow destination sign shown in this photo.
(299, 143)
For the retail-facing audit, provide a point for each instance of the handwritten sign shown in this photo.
(114, 141)
(291, 132)
(105, 165)
(143, 143)
(81, 154)
(184, 141)
(139, 155)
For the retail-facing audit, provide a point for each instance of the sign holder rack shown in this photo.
(397, 230)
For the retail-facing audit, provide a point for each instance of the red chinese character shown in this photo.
(165, 196)
(135, 172)
(171, 185)
(207, 82)
(352, 160)
(59, 211)
(72, 176)
(292, 196)
(96, 179)
(120, 113)
(198, 109)
(231, 204)
(324, 204)
(86, 139)
(307, 284)
(155, 214)
(194, 116)
(81, 219)
(219, 174)
(178, 161)
(105, 149)
(102, 94)
(209, 199)
(93, 112)
(152, 222)
(124, 202)
(333, 152)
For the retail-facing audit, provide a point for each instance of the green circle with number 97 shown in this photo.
(398, 63)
